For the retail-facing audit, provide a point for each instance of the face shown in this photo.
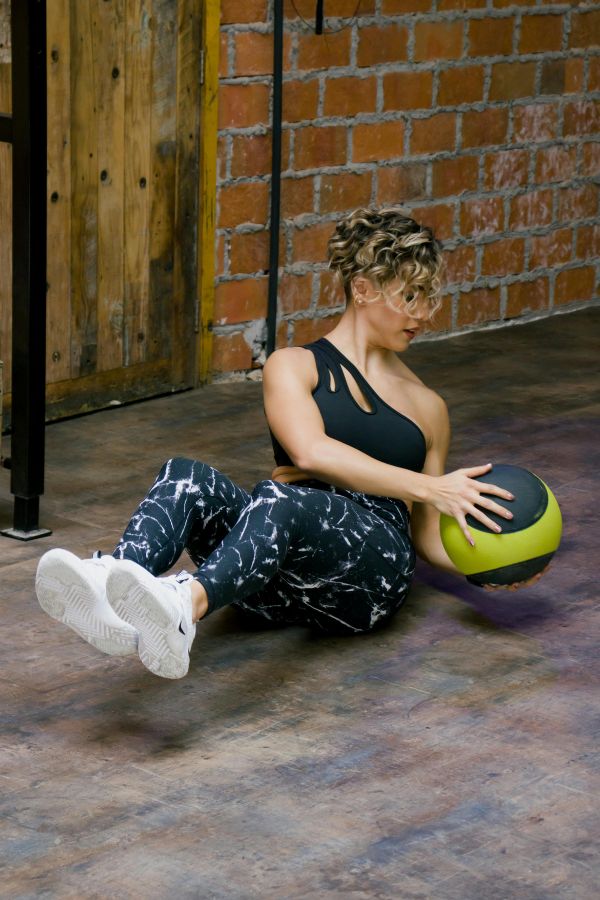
(393, 323)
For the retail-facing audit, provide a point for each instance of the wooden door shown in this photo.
(124, 116)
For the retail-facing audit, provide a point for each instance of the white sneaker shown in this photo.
(73, 591)
(160, 609)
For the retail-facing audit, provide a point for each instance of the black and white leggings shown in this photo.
(337, 560)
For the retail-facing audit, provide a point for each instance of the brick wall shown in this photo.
(482, 118)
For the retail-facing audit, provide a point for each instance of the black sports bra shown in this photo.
(382, 432)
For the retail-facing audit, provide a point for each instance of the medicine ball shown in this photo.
(526, 543)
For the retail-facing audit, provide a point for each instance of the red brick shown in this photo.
(223, 54)
(438, 40)
(588, 242)
(294, 293)
(574, 284)
(381, 44)
(238, 11)
(527, 296)
(590, 160)
(594, 74)
(535, 122)
(454, 176)
(437, 132)
(556, 163)
(316, 51)
(585, 29)
(397, 184)
(281, 337)
(251, 155)
(331, 292)
(397, 7)
(243, 105)
(382, 140)
(552, 249)
(345, 191)
(502, 4)
(307, 330)
(239, 203)
(320, 146)
(240, 301)
(574, 75)
(481, 216)
(300, 100)
(491, 37)
(442, 319)
(505, 169)
(512, 79)
(221, 158)
(407, 90)
(460, 264)
(249, 252)
(480, 305)
(310, 243)
(503, 257)
(253, 53)
(296, 196)
(577, 202)
(305, 9)
(485, 127)
(552, 80)
(531, 210)
(440, 218)
(541, 33)
(462, 84)
(581, 117)
(220, 255)
(349, 96)
(230, 353)
(447, 5)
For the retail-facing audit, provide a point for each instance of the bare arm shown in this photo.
(425, 519)
(289, 376)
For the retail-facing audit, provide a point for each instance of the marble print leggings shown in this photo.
(337, 560)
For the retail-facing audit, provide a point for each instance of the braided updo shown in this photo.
(385, 244)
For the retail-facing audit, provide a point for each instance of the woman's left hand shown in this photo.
(517, 584)
(288, 474)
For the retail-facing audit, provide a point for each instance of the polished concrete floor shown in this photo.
(452, 755)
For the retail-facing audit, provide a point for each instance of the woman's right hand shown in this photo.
(457, 493)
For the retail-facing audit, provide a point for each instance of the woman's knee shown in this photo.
(178, 468)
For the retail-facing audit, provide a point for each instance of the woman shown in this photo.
(360, 445)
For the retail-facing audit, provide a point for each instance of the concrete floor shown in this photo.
(452, 755)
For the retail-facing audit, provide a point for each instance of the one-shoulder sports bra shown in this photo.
(382, 432)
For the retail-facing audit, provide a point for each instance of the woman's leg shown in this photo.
(190, 506)
(308, 555)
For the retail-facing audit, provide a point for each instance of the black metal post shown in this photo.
(275, 175)
(29, 140)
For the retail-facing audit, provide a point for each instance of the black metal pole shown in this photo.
(29, 141)
(275, 176)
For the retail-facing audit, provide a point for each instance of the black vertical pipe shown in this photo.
(275, 175)
(29, 141)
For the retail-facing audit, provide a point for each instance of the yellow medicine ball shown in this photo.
(527, 542)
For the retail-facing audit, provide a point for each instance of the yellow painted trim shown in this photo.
(207, 201)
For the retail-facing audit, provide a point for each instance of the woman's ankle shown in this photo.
(199, 600)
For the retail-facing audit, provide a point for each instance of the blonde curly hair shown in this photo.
(385, 244)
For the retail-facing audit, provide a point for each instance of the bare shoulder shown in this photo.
(426, 397)
(291, 362)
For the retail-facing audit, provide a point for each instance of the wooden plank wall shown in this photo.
(123, 200)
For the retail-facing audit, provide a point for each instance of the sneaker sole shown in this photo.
(67, 597)
(131, 593)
